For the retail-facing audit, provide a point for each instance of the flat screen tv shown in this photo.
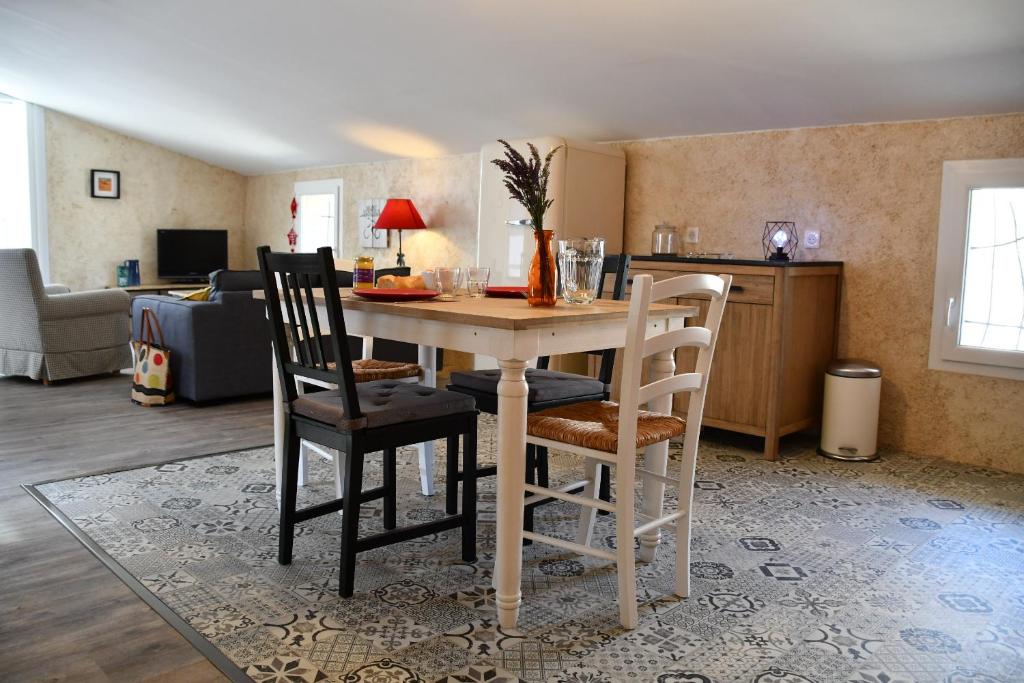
(190, 255)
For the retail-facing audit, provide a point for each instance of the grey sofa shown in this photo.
(50, 333)
(220, 348)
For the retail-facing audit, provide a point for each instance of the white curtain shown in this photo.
(23, 204)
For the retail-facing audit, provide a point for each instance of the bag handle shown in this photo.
(149, 319)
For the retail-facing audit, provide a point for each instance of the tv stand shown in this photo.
(136, 290)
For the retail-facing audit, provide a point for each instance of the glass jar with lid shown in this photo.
(362, 273)
(665, 240)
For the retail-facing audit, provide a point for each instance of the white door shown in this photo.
(318, 220)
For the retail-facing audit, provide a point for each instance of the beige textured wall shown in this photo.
(873, 191)
(445, 192)
(159, 189)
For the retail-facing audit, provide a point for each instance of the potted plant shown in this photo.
(527, 183)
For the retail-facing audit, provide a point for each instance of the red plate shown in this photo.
(378, 294)
(507, 292)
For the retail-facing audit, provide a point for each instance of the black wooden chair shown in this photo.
(548, 389)
(355, 419)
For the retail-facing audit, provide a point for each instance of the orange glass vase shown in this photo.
(541, 284)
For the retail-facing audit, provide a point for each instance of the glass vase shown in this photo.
(541, 284)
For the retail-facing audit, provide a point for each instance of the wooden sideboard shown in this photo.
(778, 334)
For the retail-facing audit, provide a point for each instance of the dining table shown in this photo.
(514, 334)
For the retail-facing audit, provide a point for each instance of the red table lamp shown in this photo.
(399, 214)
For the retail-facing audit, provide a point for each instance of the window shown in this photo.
(318, 220)
(978, 312)
(23, 179)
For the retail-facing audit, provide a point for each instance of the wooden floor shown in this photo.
(63, 615)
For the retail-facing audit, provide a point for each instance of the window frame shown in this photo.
(945, 353)
(327, 186)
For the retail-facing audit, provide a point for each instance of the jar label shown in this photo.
(362, 277)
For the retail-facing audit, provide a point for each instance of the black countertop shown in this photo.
(737, 261)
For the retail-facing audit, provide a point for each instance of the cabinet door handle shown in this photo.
(736, 288)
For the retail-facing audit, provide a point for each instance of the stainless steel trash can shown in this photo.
(849, 423)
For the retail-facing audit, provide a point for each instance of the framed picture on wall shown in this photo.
(368, 211)
(105, 184)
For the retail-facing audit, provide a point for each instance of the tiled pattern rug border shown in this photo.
(196, 639)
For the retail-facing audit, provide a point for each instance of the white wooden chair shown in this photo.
(609, 433)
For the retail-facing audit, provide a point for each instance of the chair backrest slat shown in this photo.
(689, 381)
(674, 339)
(314, 322)
(289, 308)
(687, 285)
(288, 282)
(304, 343)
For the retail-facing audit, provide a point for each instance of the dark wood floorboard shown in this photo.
(63, 615)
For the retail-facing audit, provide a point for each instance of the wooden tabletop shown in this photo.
(510, 314)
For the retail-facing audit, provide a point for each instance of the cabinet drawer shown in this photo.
(752, 289)
(746, 289)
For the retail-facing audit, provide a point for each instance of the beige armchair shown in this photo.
(49, 333)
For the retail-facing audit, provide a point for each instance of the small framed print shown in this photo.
(106, 184)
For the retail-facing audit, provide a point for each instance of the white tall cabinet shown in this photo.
(588, 184)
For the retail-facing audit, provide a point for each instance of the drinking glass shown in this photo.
(580, 261)
(476, 280)
(447, 281)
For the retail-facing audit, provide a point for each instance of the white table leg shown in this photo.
(656, 457)
(508, 564)
(427, 361)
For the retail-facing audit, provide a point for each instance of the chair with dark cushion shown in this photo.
(356, 418)
(548, 388)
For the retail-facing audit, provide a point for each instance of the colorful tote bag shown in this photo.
(151, 380)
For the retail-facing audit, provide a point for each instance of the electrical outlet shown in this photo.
(693, 235)
(812, 239)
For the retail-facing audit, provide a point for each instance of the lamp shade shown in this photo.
(399, 214)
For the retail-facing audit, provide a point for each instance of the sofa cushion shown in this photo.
(544, 385)
(199, 295)
(235, 281)
(384, 402)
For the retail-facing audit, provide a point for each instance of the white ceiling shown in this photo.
(266, 85)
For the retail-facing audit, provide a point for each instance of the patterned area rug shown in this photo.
(905, 569)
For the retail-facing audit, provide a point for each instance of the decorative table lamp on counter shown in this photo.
(780, 240)
(399, 214)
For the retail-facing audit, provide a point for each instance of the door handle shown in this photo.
(736, 288)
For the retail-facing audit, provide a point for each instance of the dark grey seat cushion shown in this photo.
(545, 385)
(384, 402)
